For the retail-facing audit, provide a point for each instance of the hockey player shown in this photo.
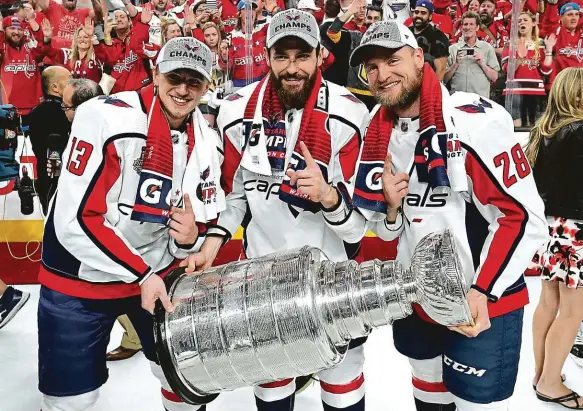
(452, 162)
(295, 121)
(140, 181)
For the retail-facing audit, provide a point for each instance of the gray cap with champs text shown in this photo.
(296, 23)
(388, 34)
(185, 53)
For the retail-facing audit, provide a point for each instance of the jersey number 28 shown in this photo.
(520, 164)
(78, 157)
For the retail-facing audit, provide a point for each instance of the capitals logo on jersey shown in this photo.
(114, 101)
(476, 107)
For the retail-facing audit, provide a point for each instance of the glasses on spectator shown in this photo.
(66, 108)
(176, 79)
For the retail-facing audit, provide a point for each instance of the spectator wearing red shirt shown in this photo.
(490, 31)
(86, 57)
(533, 62)
(66, 18)
(30, 23)
(456, 11)
(357, 23)
(309, 6)
(568, 50)
(21, 78)
(125, 54)
(235, 58)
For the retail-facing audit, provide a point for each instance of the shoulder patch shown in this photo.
(234, 97)
(351, 98)
(476, 107)
(114, 101)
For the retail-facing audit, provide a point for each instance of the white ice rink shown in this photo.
(132, 387)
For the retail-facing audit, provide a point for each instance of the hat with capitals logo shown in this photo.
(388, 34)
(296, 23)
(11, 21)
(185, 53)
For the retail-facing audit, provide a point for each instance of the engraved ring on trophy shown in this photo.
(294, 313)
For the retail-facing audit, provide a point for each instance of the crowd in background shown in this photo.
(115, 43)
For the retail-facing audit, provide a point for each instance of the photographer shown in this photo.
(472, 64)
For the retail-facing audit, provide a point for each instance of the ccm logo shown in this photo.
(464, 369)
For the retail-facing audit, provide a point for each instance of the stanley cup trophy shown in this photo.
(294, 313)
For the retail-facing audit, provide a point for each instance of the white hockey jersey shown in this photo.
(253, 201)
(498, 224)
(91, 247)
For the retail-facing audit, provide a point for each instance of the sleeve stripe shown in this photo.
(93, 208)
(231, 161)
(512, 224)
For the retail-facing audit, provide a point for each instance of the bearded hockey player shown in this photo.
(292, 120)
(140, 182)
(452, 162)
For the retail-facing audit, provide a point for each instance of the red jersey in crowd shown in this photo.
(497, 38)
(238, 59)
(91, 69)
(351, 25)
(21, 78)
(441, 5)
(530, 69)
(441, 21)
(130, 66)
(65, 22)
(568, 51)
(503, 7)
(549, 20)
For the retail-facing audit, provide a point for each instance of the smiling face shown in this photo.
(474, 6)
(180, 92)
(421, 18)
(294, 65)
(122, 22)
(395, 76)
(14, 36)
(172, 31)
(469, 28)
(83, 40)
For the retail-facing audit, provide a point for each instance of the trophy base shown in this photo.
(176, 382)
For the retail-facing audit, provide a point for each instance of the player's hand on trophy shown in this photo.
(311, 182)
(182, 223)
(205, 257)
(395, 187)
(478, 303)
(153, 289)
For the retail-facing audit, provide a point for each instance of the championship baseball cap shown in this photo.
(241, 5)
(296, 23)
(388, 34)
(567, 7)
(185, 53)
(11, 21)
(425, 3)
(307, 5)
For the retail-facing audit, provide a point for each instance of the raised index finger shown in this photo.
(307, 156)
(187, 203)
(387, 166)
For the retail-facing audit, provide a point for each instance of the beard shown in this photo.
(14, 43)
(486, 19)
(293, 98)
(420, 23)
(410, 93)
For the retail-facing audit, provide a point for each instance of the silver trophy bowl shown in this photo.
(294, 313)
